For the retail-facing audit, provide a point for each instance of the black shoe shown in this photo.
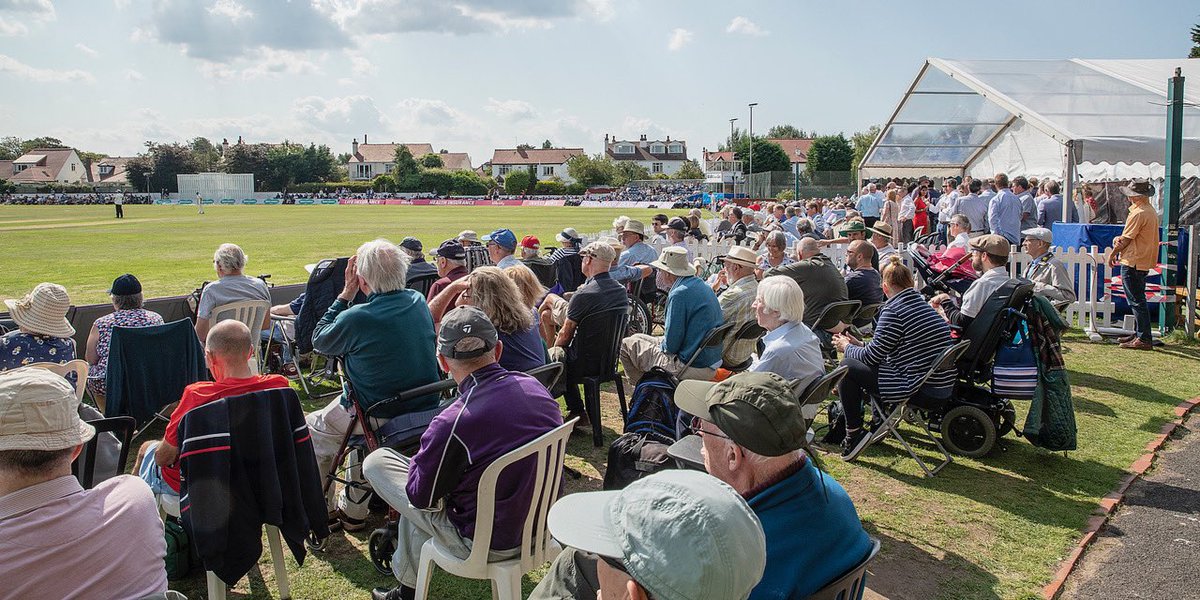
(399, 592)
(854, 443)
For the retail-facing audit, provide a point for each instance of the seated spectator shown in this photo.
(477, 255)
(820, 279)
(531, 290)
(776, 243)
(676, 235)
(701, 224)
(739, 283)
(367, 336)
(501, 244)
(909, 336)
(570, 240)
(126, 295)
(674, 535)
(790, 349)
(692, 310)
(227, 355)
(417, 267)
(231, 286)
(862, 280)
(989, 258)
(541, 267)
(637, 252)
(737, 226)
(659, 223)
(960, 232)
(43, 333)
(60, 540)
(725, 223)
(451, 261)
(495, 293)
(435, 490)
(1048, 274)
(694, 230)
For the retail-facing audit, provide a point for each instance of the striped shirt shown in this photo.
(737, 306)
(909, 336)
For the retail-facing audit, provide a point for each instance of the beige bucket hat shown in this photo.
(39, 411)
(674, 260)
(44, 310)
(742, 256)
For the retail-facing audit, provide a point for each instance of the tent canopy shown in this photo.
(1029, 117)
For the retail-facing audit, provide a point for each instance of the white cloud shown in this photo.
(226, 30)
(84, 48)
(230, 9)
(338, 118)
(268, 63)
(134, 75)
(17, 15)
(745, 26)
(360, 64)
(21, 70)
(679, 38)
(121, 4)
(510, 110)
(637, 126)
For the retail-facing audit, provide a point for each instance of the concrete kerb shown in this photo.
(1108, 505)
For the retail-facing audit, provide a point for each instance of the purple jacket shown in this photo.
(496, 411)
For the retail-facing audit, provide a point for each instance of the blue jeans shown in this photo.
(276, 338)
(1134, 282)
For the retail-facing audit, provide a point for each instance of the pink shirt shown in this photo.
(58, 540)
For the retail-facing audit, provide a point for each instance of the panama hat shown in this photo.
(882, 228)
(674, 260)
(44, 310)
(742, 256)
(634, 226)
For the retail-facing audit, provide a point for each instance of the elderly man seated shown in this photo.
(989, 257)
(231, 286)
(1048, 274)
(418, 267)
(227, 355)
(819, 278)
(692, 310)
(541, 267)
(435, 490)
(386, 345)
(501, 244)
(451, 261)
(637, 252)
(58, 540)
(737, 277)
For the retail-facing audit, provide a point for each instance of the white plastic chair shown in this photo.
(537, 547)
(169, 505)
(77, 366)
(251, 313)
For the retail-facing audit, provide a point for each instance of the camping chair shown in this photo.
(84, 467)
(851, 585)
(422, 284)
(537, 546)
(148, 367)
(286, 326)
(812, 397)
(750, 330)
(592, 358)
(713, 339)
(890, 414)
(77, 366)
(250, 313)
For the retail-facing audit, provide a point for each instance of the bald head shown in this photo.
(858, 255)
(808, 248)
(229, 341)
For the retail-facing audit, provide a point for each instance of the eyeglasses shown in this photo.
(697, 424)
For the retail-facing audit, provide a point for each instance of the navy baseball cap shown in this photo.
(504, 237)
(412, 243)
(125, 285)
(450, 249)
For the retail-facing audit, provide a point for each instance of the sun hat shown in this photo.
(39, 411)
(504, 238)
(450, 249)
(613, 243)
(991, 243)
(757, 410)
(634, 226)
(412, 243)
(680, 534)
(468, 235)
(568, 235)
(853, 225)
(1138, 187)
(1039, 233)
(601, 250)
(674, 260)
(43, 310)
(741, 255)
(882, 228)
(125, 285)
(466, 323)
(531, 242)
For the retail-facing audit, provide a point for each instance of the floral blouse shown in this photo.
(136, 317)
(18, 349)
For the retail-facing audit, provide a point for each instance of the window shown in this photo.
(547, 170)
(21, 168)
(657, 149)
(387, 167)
(676, 149)
(504, 169)
(656, 168)
(624, 149)
(364, 171)
(106, 169)
(72, 167)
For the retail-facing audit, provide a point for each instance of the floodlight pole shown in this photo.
(752, 105)
(1169, 252)
(732, 154)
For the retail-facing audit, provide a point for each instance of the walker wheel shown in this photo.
(382, 544)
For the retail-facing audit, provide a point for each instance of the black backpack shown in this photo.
(649, 430)
(652, 408)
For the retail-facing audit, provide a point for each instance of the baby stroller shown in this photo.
(974, 417)
(950, 272)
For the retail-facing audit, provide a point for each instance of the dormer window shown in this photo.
(676, 149)
(106, 169)
(624, 148)
(657, 149)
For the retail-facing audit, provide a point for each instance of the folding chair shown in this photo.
(84, 467)
(864, 319)
(750, 330)
(886, 416)
(77, 366)
(713, 339)
(537, 546)
(325, 282)
(148, 368)
(592, 358)
(422, 284)
(286, 327)
(851, 585)
(835, 313)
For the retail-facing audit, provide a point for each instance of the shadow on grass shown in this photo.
(1143, 393)
(1087, 405)
(907, 571)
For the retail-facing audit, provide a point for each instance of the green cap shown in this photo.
(853, 225)
(758, 411)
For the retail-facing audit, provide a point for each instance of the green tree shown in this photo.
(768, 156)
(733, 142)
(594, 170)
(550, 187)
(786, 132)
(467, 183)
(208, 158)
(406, 165)
(163, 162)
(517, 182)
(861, 142)
(343, 158)
(627, 171)
(689, 170)
(1195, 53)
(10, 147)
(830, 153)
(432, 161)
(524, 147)
(546, 145)
(786, 195)
(436, 180)
(383, 183)
(41, 142)
(246, 158)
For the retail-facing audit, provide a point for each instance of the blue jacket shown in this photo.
(692, 310)
(813, 534)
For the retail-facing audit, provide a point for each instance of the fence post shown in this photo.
(1190, 314)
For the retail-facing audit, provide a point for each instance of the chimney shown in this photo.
(354, 147)
(668, 138)
(606, 139)
(239, 140)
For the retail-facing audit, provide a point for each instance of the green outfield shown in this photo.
(170, 247)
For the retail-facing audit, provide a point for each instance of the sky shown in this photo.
(475, 75)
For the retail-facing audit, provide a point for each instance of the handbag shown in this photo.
(1015, 369)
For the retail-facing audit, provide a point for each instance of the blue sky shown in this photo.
(473, 75)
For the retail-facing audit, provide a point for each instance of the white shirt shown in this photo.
(908, 209)
(961, 240)
(981, 290)
(946, 206)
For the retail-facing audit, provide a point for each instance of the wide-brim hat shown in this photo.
(39, 411)
(742, 256)
(43, 310)
(1138, 187)
(882, 228)
(634, 226)
(568, 235)
(853, 225)
(674, 260)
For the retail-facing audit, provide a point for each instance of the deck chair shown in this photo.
(148, 367)
(250, 313)
(851, 585)
(893, 413)
(84, 467)
(537, 546)
(592, 358)
(750, 330)
(77, 366)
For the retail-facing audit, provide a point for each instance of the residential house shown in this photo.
(658, 156)
(110, 172)
(47, 165)
(368, 161)
(550, 162)
(797, 152)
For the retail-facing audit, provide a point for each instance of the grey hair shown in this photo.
(453, 261)
(804, 226)
(961, 220)
(412, 254)
(808, 247)
(781, 294)
(382, 266)
(128, 301)
(777, 239)
(229, 258)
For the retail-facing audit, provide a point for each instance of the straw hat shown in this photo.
(635, 226)
(882, 228)
(44, 310)
(468, 235)
(742, 256)
(674, 260)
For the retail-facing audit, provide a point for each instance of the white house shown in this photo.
(368, 161)
(551, 162)
(658, 156)
(47, 165)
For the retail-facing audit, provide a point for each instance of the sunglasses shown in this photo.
(696, 427)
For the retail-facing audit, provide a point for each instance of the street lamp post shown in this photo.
(732, 153)
(147, 183)
(751, 132)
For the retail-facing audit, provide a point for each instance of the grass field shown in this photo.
(170, 247)
(982, 529)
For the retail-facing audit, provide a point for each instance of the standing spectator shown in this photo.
(1136, 250)
(58, 540)
(947, 205)
(1050, 209)
(231, 286)
(890, 214)
(127, 299)
(974, 207)
(816, 274)
(921, 211)
(870, 205)
(1029, 204)
(1004, 211)
(43, 333)
(451, 261)
(908, 211)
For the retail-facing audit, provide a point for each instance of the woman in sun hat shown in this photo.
(43, 334)
(127, 300)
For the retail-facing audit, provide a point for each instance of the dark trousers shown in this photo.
(870, 221)
(1134, 282)
(120, 211)
(943, 232)
(573, 400)
(906, 231)
(860, 382)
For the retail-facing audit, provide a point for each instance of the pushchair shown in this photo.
(949, 273)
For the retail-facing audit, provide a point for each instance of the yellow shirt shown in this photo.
(1141, 229)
